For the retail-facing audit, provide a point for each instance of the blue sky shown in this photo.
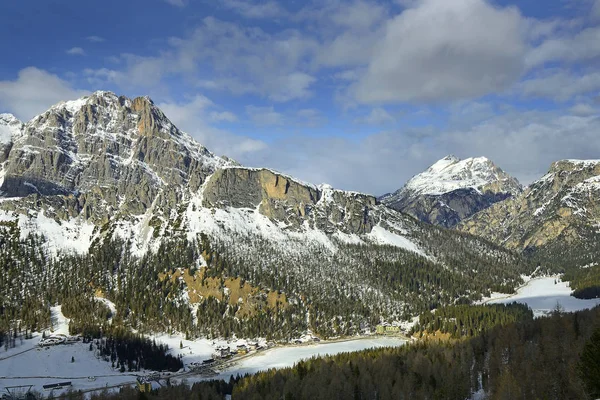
(360, 94)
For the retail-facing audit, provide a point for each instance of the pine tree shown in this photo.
(589, 365)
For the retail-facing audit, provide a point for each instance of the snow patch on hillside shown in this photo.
(380, 235)
(74, 234)
(10, 127)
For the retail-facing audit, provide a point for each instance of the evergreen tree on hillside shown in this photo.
(589, 366)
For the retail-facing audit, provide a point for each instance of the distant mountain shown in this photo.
(112, 180)
(558, 213)
(452, 190)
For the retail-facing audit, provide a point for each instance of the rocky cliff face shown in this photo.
(111, 154)
(452, 190)
(562, 205)
(284, 199)
(109, 165)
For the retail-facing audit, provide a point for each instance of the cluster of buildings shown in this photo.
(387, 329)
(57, 339)
(148, 383)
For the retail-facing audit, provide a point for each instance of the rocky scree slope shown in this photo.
(452, 190)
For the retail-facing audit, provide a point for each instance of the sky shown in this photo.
(358, 94)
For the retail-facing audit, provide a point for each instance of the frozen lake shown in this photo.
(288, 356)
(543, 294)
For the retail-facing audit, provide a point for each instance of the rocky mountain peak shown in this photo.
(451, 173)
(453, 189)
(561, 204)
(120, 152)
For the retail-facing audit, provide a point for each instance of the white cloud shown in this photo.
(596, 10)
(76, 51)
(522, 143)
(255, 10)
(569, 47)
(33, 92)
(95, 39)
(310, 117)
(137, 72)
(444, 50)
(560, 86)
(177, 3)
(244, 60)
(377, 116)
(264, 116)
(223, 116)
(247, 60)
(584, 110)
(193, 117)
(295, 85)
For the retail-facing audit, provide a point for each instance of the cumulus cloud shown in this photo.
(243, 60)
(33, 92)
(584, 110)
(559, 85)
(572, 47)
(255, 10)
(444, 50)
(264, 116)
(95, 39)
(194, 117)
(377, 116)
(177, 3)
(523, 144)
(76, 51)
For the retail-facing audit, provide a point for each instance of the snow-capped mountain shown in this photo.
(453, 189)
(10, 129)
(559, 209)
(108, 165)
(106, 175)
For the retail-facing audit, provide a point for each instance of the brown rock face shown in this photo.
(286, 200)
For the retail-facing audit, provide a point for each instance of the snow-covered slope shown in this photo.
(109, 165)
(453, 189)
(451, 173)
(10, 127)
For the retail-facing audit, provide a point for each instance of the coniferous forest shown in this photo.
(555, 357)
(154, 292)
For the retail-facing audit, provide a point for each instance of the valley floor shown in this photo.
(29, 364)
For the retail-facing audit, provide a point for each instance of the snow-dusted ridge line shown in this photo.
(450, 174)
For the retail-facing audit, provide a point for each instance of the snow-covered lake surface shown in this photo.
(288, 356)
(542, 295)
(29, 364)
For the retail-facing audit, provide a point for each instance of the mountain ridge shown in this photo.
(452, 189)
(114, 187)
(559, 207)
